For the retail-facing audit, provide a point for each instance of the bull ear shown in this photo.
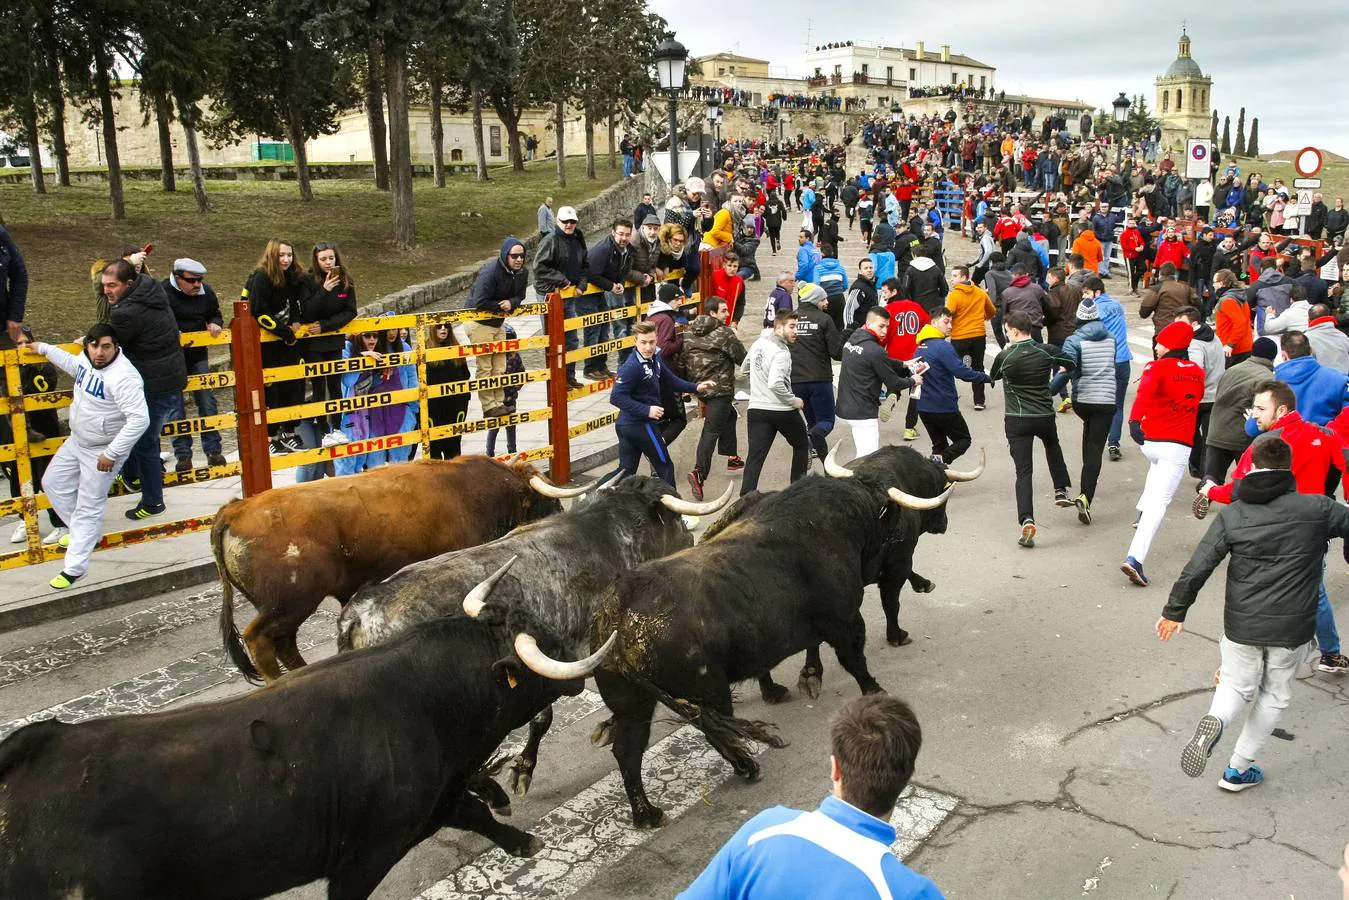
(262, 736)
(509, 671)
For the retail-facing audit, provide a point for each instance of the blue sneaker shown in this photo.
(1196, 753)
(1233, 780)
(1134, 569)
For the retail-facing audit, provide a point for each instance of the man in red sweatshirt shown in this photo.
(1162, 422)
(907, 318)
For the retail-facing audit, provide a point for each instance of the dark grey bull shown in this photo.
(556, 564)
(335, 771)
(782, 572)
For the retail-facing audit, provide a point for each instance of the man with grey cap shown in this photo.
(560, 263)
(195, 308)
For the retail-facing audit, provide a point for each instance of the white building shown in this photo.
(885, 74)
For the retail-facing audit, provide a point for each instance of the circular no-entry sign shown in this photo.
(1308, 161)
(1199, 152)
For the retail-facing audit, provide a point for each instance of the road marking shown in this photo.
(593, 830)
(58, 653)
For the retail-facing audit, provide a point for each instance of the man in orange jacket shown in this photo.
(1089, 246)
(971, 309)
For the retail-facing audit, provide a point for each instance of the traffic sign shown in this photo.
(1197, 157)
(1312, 183)
(1308, 161)
(1303, 207)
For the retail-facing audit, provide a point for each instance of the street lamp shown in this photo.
(713, 123)
(670, 58)
(1121, 106)
(896, 113)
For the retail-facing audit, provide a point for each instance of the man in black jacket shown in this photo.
(560, 262)
(611, 263)
(498, 288)
(13, 290)
(139, 311)
(866, 369)
(195, 308)
(1276, 538)
(818, 341)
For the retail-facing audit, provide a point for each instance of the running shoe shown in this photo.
(910, 434)
(1083, 509)
(334, 438)
(1061, 498)
(734, 465)
(1196, 753)
(59, 535)
(1334, 663)
(64, 540)
(1234, 781)
(1134, 569)
(696, 484)
(1027, 538)
(1115, 454)
(63, 581)
(20, 533)
(139, 512)
(1200, 506)
(1066, 405)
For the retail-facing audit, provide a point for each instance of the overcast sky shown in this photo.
(1296, 86)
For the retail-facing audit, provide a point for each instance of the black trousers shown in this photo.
(1200, 437)
(282, 393)
(949, 432)
(1021, 433)
(718, 431)
(774, 237)
(764, 426)
(911, 414)
(325, 387)
(1095, 431)
(636, 441)
(675, 420)
(1217, 460)
(972, 351)
(447, 411)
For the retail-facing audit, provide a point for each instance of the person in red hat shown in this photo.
(1162, 422)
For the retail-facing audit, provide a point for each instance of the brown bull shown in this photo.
(287, 549)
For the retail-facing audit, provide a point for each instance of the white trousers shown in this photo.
(1263, 675)
(1169, 463)
(78, 492)
(866, 435)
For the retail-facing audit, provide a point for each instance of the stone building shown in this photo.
(1183, 104)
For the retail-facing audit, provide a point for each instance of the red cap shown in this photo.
(1176, 336)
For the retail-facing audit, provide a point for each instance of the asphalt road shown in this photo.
(1053, 723)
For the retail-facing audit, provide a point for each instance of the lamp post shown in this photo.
(896, 114)
(714, 125)
(670, 58)
(1121, 106)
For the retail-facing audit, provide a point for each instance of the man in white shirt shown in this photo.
(773, 408)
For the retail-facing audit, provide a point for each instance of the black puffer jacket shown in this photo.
(1276, 538)
(282, 306)
(818, 340)
(332, 310)
(496, 282)
(149, 336)
(560, 261)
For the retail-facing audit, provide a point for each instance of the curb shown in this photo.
(64, 606)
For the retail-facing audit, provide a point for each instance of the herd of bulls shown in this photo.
(470, 603)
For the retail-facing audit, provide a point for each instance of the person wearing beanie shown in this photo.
(1162, 422)
(1227, 437)
(1092, 348)
(818, 341)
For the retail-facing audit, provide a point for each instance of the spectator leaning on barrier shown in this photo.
(148, 336)
(498, 288)
(561, 263)
(327, 308)
(275, 293)
(13, 289)
(43, 424)
(108, 414)
(195, 308)
(612, 263)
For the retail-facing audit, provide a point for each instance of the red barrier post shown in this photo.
(559, 467)
(705, 289)
(250, 403)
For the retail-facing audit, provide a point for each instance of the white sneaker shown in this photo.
(334, 437)
(20, 533)
(55, 536)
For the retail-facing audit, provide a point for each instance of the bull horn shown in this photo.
(552, 490)
(834, 469)
(912, 502)
(476, 599)
(693, 508)
(954, 475)
(541, 663)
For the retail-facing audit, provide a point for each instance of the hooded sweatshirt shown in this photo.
(817, 339)
(1024, 295)
(1321, 391)
(1167, 402)
(970, 309)
(769, 367)
(496, 282)
(1025, 254)
(927, 283)
(830, 275)
(866, 368)
(1207, 350)
(944, 367)
(108, 412)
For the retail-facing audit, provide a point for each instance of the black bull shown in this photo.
(335, 771)
(781, 573)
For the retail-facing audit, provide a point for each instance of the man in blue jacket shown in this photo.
(1112, 317)
(807, 257)
(13, 290)
(841, 849)
(636, 393)
(1321, 391)
(938, 401)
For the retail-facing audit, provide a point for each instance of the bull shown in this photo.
(780, 573)
(555, 565)
(287, 549)
(335, 772)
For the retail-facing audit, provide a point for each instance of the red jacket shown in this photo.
(1315, 450)
(907, 318)
(1175, 252)
(1167, 402)
(1131, 242)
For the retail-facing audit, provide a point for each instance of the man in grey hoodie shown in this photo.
(1330, 346)
(773, 408)
(1208, 351)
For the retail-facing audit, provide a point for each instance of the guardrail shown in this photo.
(249, 380)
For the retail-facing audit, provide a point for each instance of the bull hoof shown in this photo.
(898, 638)
(747, 769)
(809, 684)
(522, 775)
(603, 735)
(651, 817)
(924, 587)
(873, 688)
(775, 693)
(529, 848)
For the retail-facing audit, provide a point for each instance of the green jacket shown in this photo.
(1025, 367)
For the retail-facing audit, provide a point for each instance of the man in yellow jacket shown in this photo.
(971, 309)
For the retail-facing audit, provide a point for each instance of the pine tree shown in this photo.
(1240, 149)
(1227, 136)
(1253, 146)
(1213, 128)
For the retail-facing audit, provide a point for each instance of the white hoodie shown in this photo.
(108, 411)
(769, 367)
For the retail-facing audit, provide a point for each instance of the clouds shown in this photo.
(1287, 70)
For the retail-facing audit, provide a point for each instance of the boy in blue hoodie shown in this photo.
(636, 393)
(938, 401)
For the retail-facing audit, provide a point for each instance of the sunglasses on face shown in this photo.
(515, 255)
(191, 279)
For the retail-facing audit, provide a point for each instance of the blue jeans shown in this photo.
(593, 334)
(627, 166)
(818, 400)
(1327, 635)
(206, 406)
(620, 328)
(309, 439)
(144, 459)
(1106, 247)
(1122, 372)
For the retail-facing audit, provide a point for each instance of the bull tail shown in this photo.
(229, 632)
(725, 733)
